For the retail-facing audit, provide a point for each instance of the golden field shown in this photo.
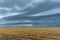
(29, 33)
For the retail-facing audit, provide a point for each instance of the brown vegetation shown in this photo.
(29, 33)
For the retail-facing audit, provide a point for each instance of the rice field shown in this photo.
(29, 33)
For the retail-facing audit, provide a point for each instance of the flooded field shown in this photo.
(29, 33)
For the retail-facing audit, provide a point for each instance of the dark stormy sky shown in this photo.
(29, 12)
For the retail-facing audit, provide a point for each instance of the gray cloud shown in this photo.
(18, 12)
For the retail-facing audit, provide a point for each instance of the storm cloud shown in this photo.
(29, 13)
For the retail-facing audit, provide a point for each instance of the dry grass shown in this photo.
(29, 33)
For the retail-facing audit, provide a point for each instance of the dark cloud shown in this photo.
(20, 12)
